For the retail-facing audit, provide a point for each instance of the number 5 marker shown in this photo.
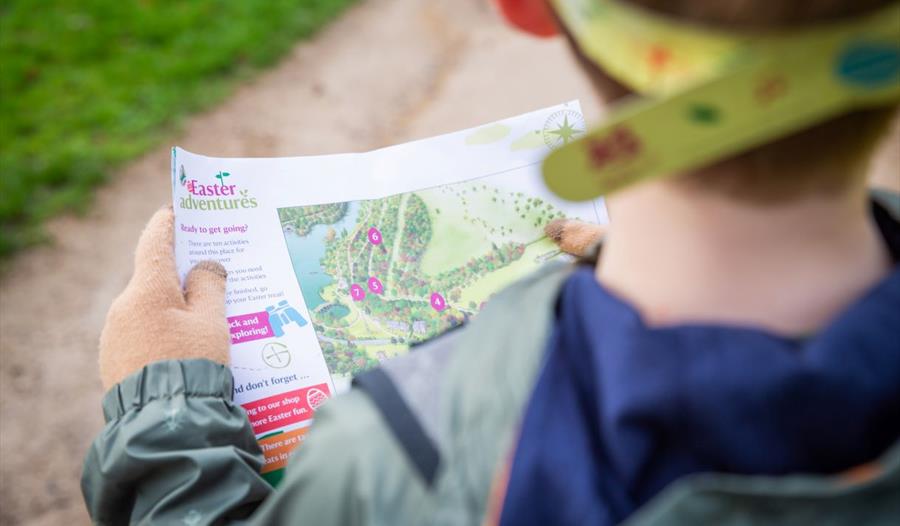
(375, 285)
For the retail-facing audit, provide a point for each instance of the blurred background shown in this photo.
(93, 94)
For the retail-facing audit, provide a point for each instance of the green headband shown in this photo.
(712, 94)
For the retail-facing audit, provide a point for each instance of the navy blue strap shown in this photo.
(403, 423)
(889, 226)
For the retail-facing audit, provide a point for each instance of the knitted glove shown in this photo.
(153, 319)
(573, 236)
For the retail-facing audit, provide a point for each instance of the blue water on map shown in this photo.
(306, 255)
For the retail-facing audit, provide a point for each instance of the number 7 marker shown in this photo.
(357, 292)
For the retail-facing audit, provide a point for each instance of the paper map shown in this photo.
(339, 262)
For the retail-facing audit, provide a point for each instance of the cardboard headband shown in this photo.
(710, 94)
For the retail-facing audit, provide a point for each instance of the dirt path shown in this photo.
(386, 72)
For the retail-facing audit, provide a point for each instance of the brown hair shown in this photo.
(824, 158)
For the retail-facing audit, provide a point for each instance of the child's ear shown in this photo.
(531, 16)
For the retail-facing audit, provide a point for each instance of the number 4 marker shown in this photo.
(437, 302)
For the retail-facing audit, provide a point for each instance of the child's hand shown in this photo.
(153, 319)
(573, 236)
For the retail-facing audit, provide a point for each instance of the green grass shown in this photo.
(490, 283)
(454, 240)
(88, 84)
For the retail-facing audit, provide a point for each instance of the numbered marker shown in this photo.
(375, 285)
(357, 293)
(438, 302)
(374, 236)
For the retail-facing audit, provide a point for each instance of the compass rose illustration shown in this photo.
(562, 127)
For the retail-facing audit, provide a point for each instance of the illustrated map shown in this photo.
(381, 275)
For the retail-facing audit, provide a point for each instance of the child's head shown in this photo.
(826, 158)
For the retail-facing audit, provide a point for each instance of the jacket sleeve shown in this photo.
(350, 471)
(175, 450)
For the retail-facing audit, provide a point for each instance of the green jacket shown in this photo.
(176, 450)
(418, 441)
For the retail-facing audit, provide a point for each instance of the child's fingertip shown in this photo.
(555, 228)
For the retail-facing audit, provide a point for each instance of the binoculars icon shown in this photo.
(281, 315)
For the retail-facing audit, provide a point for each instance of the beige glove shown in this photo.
(153, 319)
(573, 236)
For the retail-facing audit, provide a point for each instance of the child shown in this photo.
(740, 326)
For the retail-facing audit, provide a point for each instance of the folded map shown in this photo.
(338, 262)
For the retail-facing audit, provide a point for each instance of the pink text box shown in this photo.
(285, 409)
(249, 327)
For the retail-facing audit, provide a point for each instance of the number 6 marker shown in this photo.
(374, 236)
